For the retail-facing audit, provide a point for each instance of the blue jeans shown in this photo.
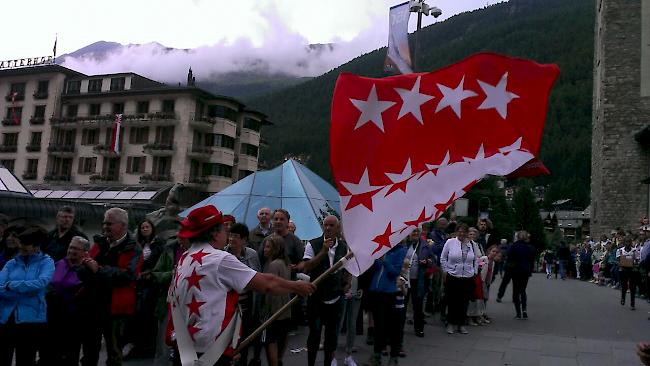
(563, 264)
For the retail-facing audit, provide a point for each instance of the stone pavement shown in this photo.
(571, 323)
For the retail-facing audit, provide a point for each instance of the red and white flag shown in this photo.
(403, 148)
(115, 143)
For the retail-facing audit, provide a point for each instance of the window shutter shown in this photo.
(80, 168)
(93, 164)
(129, 164)
(143, 161)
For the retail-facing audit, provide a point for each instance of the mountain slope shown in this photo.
(548, 31)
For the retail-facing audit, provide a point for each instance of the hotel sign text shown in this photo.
(23, 62)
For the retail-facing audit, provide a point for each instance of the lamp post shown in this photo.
(420, 7)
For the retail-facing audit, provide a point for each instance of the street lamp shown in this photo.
(420, 7)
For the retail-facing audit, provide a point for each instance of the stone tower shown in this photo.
(621, 115)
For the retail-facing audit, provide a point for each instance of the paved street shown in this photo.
(571, 323)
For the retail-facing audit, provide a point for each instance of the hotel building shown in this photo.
(58, 127)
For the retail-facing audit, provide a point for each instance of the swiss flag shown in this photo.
(403, 148)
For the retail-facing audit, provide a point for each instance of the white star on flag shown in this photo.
(404, 175)
(453, 97)
(430, 167)
(371, 109)
(412, 101)
(497, 96)
(479, 155)
(362, 187)
(510, 148)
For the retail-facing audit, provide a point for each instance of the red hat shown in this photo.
(230, 218)
(199, 220)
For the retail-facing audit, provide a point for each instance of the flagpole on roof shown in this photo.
(56, 37)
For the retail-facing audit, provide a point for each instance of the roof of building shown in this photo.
(40, 69)
(11, 185)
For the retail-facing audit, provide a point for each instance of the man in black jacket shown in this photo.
(325, 306)
(59, 239)
(520, 260)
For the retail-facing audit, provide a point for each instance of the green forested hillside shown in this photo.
(548, 31)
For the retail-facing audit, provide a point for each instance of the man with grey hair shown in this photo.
(115, 261)
(59, 238)
(262, 230)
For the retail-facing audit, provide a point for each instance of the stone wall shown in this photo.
(619, 162)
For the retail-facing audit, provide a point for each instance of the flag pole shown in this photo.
(338, 265)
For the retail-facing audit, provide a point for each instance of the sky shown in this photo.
(224, 34)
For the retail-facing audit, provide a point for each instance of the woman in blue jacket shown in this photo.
(23, 283)
(383, 293)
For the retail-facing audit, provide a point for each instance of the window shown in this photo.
(71, 110)
(94, 109)
(215, 139)
(108, 139)
(162, 165)
(36, 138)
(222, 112)
(139, 135)
(10, 139)
(8, 163)
(220, 170)
(136, 164)
(117, 83)
(168, 105)
(87, 165)
(15, 113)
(252, 124)
(95, 86)
(32, 166)
(60, 167)
(90, 136)
(64, 137)
(165, 135)
(43, 86)
(118, 108)
(39, 111)
(142, 107)
(73, 87)
(244, 173)
(248, 149)
(19, 89)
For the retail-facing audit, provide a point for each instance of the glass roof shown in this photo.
(9, 182)
(307, 197)
(96, 192)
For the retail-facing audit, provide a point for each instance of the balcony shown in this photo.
(11, 121)
(158, 149)
(29, 176)
(56, 177)
(8, 148)
(33, 147)
(104, 150)
(40, 95)
(65, 122)
(148, 119)
(17, 98)
(197, 182)
(199, 152)
(37, 121)
(61, 150)
(202, 122)
(104, 178)
(155, 178)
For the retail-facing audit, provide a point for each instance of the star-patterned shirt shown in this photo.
(205, 288)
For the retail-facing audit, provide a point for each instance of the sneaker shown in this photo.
(126, 350)
(632, 307)
(349, 361)
(518, 316)
(525, 315)
(402, 354)
(473, 323)
(450, 329)
(462, 330)
(419, 333)
(498, 299)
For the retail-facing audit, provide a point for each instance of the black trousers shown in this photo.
(388, 322)
(505, 280)
(519, 297)
(418, 314)
(321, 315)
(458, 291)
(628, 275)
(25, 339)
(112, 329)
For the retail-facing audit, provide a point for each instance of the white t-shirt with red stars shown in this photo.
(205, 287)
